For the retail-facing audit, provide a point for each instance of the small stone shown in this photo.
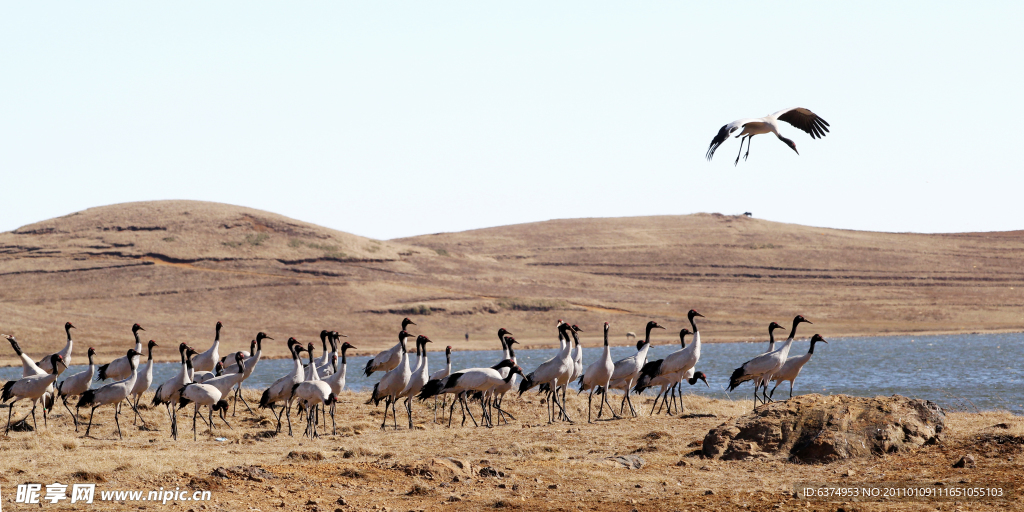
(515, 487)
(553, 486)
(705, 468)
(682, 463)
(709, 492)
(453, 498)
(311, 502)
(849, 473)
(638, 486)
(502, 486)
(967, 461)
(341, 501)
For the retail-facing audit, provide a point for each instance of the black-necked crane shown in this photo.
(65, 352)
(392, 383)
(791, 370)
(440, 374)
(801, 118)
(627, 369)
(419, 376)
(226, 381)
(763, 366)
(761, 382)
(31, 388)
(77, 384)
(470, 380)
(113, 393)
(599, 373)
(677, 362)
(202, 395)
(311, 394)
(337, 379)
(119, 369)
(206, 360)
(281, 389)
(142, 383)
(548, 373)
(389, 359)
(249, 365)
(167, 393)
(502, 389)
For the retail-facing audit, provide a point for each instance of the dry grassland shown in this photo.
(177, 267)
(538, 466)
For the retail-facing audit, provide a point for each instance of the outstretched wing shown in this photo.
(805, 120)
(723, 134)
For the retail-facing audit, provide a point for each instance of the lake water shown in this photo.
(959, 372)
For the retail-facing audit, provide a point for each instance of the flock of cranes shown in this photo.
(206, 379)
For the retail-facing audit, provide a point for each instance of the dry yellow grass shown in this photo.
(177, 267)
(545, 467)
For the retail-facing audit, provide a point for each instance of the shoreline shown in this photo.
(589, 343)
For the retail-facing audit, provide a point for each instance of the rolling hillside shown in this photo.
(176, 267)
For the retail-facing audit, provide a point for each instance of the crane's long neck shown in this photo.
(504, 344)
(91, 364)
(150, 358)
(771, 340)
(216, 337)
(647, 337)
(811, 350)
(792, 333)
(344, 363)
(313, 375)
(138, 343)
(682, 340)
(448, 356)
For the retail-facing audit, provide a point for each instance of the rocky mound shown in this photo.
(820, 429)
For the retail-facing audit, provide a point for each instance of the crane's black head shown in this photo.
(791, 144)
(510, 340)
(505, 363)
(403, 335)
(239, 357)
(699, 376)
(576, 328)
(91, 351)
(693, 313)
(309, 348)
(406, 323)
(800, 318)
(502, 333)
(262, 336)
(607, 326)
(345, 346)
(218, 368)
(516, 369)
(132, 353)
(337, 334)
(137, 328)
(152, 343)
(219, 325)
(816, 338)
(448, 350)
(221, 405)
(252, 346)
(683, 332)
(323, 335)
(57, 358)
(774, 325)
(182, 347)
(67, 325)
(423, 339)
(653, 325)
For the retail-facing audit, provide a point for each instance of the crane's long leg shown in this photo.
(408, 409)
(466, 404)
(194, 414)
(73, 415)
(10, 410)
(741, 150)
(384, 424)
(791, 388)
(117, 411)
(450, 414)
(288, 408)
(749, 139)
(776, 387)
(34, 427)
(91, 414)
(394, 413)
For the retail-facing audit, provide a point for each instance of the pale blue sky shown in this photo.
(391, 119)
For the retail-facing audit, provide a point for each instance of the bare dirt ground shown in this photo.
(532, 465)
(177, 267)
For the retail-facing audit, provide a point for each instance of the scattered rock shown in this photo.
(254, 473)
(682, 463)
(553, 486)
(515, 487)
(311, 502)
(418, 490)
(489, 471)
(341, 501)
(821, 429)
(656, 435)
(493, 451)
(314, 456)
(639, 486)
(502, 486)
(453, 498)
(709, 492)
(967, 461)
(627, 461)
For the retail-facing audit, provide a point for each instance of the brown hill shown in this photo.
(177, 267)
